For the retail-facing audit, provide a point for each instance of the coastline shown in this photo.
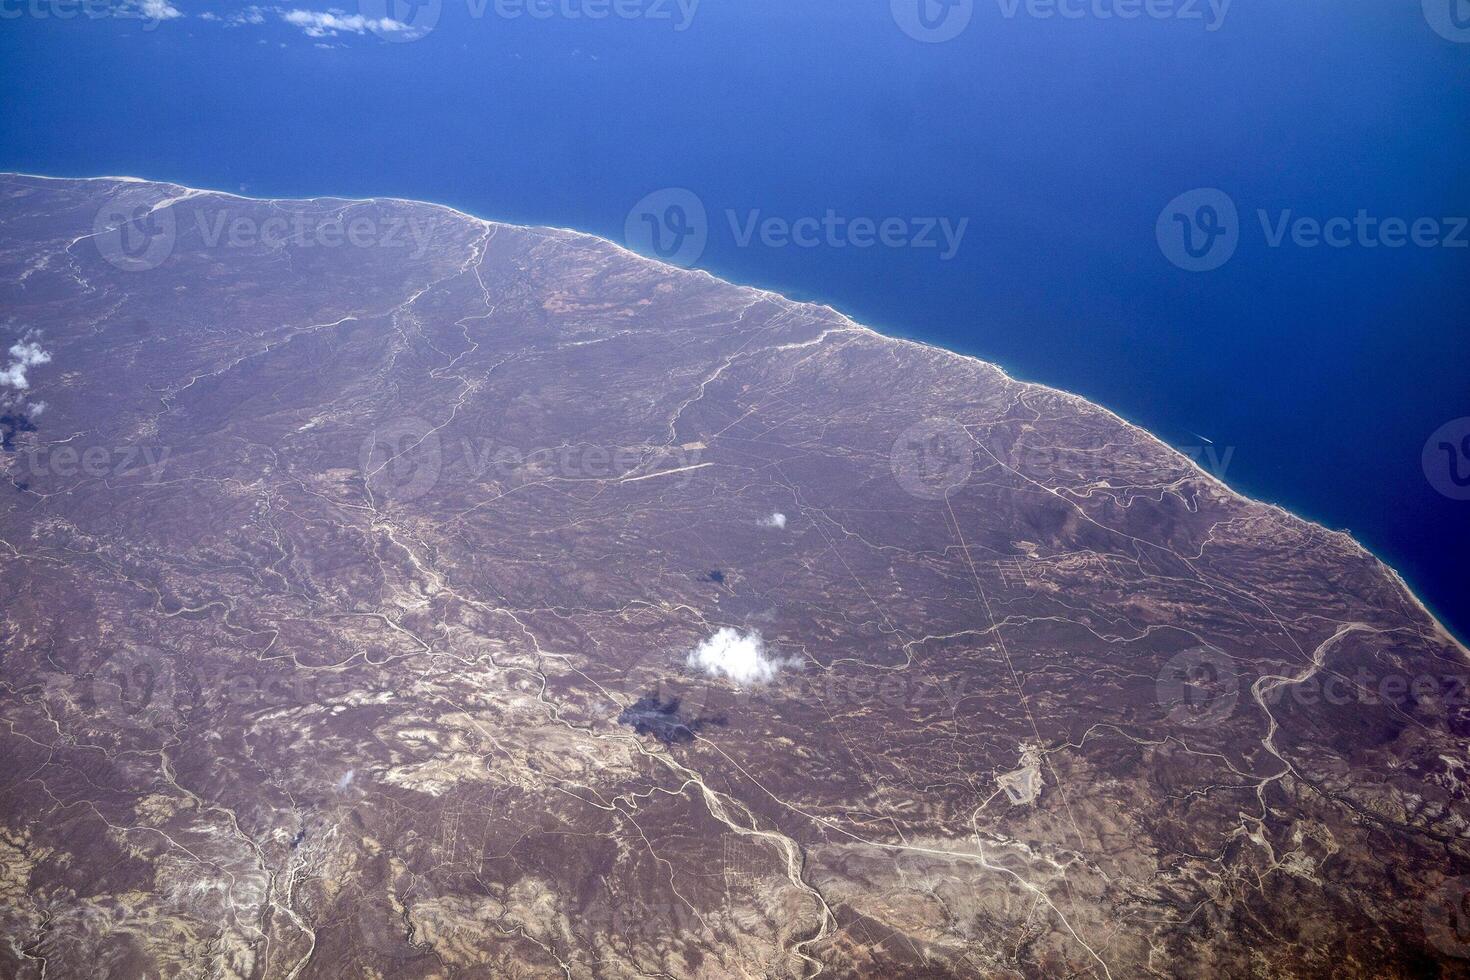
(1463, 644)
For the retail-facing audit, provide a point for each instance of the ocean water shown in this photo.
(1310, 375)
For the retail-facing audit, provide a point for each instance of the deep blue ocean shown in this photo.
(1318, 372)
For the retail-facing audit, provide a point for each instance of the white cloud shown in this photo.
(740, 657)
(29, 353)
(24, 355)
(159, 10)
(777, 520)
(330, 23)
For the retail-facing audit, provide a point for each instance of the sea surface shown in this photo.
(1308, 375)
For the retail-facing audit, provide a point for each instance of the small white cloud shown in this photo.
(29, 353)
(24, 355)
(740, 657)
(777, 520)
(35, 409)
(159, 10)
(330, 23)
